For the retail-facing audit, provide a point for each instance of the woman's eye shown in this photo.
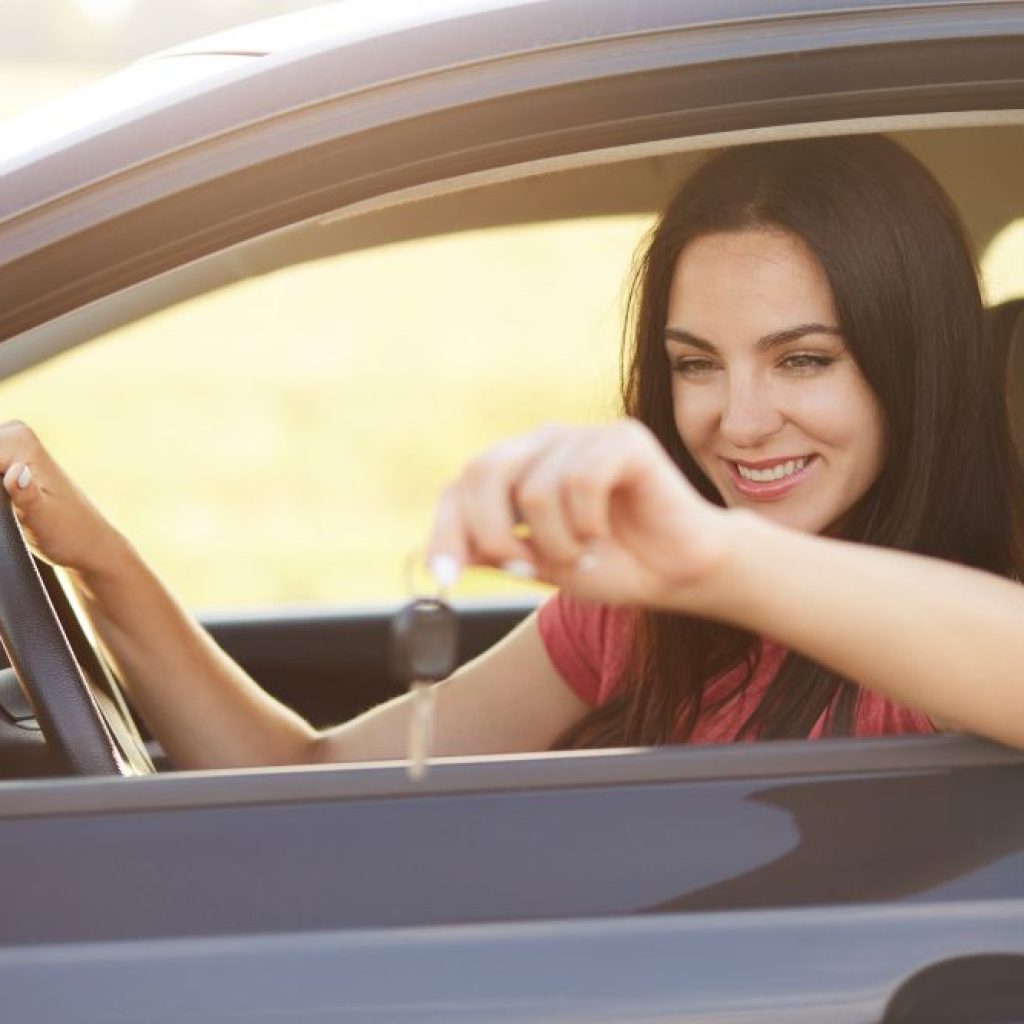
(805, 362)
(692, 366)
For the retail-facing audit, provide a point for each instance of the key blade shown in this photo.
(421, 729)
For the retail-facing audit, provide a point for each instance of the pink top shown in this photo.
(588, 645)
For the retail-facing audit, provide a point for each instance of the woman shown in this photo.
(805, 309)
(807, 370)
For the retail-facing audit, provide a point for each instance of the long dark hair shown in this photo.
(906, 292)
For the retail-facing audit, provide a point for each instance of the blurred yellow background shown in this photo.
(283, 440)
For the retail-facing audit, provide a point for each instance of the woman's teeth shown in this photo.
(783, 469)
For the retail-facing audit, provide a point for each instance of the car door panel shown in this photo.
(592, 900)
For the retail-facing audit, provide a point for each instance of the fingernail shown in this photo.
(586, 562)
(520, 568)
(445, 570)
(24, 477)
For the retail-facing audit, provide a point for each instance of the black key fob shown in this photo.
(424, 641)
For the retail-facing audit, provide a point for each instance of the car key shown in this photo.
(424, 643)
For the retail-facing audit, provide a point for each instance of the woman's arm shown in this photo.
(208, 713)
(201, 705)
(935, 636)
(511, 699)
(604, 513)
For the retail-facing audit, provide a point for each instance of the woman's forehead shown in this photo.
(764, 278)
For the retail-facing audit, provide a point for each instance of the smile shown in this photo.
(770, 479)
(776, 472)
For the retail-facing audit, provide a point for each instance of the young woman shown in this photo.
(806, 526)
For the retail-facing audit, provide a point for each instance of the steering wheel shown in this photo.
(64, 675)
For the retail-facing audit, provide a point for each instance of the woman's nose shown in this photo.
(750, 414)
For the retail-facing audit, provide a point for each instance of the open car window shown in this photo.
(272, 425)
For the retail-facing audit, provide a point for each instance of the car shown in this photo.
(847, 880)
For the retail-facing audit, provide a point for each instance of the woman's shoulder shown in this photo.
(588, 642)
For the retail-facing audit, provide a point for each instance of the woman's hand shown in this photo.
(58, 520)
(601, 511)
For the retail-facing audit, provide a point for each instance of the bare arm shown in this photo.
(510, 699)
(938, 637)
(205, 710)
(202, 707)
(610, 518)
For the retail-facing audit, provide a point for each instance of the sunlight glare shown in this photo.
(105, 12)
(1002, 265)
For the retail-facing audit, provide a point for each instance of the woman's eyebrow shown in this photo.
(765, 343)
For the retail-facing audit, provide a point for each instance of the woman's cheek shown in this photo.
(840, 409)
(695, 415)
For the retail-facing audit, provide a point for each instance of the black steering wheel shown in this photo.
(65, 677)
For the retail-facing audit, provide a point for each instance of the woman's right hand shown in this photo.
(60, 524)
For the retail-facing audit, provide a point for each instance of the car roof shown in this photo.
(417, 36)
(331, 24)
(175, 74)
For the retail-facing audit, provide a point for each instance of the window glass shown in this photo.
(282, 441)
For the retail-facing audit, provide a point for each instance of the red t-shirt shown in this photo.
(588, 645)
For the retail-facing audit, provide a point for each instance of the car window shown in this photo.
(282, 440)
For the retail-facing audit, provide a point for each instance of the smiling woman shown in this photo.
(823, 325)
(766, 417)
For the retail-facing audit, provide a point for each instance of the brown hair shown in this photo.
(906, 292)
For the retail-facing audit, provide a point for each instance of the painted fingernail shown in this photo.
(24, 477)
(586, 562)
(445, 570)
(519, 568)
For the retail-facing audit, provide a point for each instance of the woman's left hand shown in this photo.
(601, 511)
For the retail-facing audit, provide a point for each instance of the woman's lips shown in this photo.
(769, 490)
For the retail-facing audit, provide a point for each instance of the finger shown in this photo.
(575, 488)
(18, 443)
(487, 501)
(541, 498)
(447, 551)
(451, 548)
(606, 463)
(19, 482)
(589, 486)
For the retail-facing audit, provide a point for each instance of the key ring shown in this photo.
(415, 567)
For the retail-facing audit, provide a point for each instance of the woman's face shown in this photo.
(766, 397)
